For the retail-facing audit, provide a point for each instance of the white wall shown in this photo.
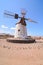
(23, 31)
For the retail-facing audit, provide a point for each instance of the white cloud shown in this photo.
(3, 26)
(12, 28)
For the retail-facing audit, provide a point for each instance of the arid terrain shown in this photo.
(20, 54)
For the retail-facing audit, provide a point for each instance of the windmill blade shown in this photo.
(8, 14)
(23, 12)
(30, 20)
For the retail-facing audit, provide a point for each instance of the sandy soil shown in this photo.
(20, 54)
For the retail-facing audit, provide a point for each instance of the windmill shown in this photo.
(20, 29)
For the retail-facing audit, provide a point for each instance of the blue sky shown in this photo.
(34, 10)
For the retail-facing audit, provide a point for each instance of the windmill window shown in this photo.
(19, 30)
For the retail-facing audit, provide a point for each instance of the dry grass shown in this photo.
(20, 54)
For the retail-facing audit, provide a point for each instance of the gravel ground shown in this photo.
(20, 54)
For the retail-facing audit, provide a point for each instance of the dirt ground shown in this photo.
(20, 54)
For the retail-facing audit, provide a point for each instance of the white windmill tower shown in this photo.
(20, 29)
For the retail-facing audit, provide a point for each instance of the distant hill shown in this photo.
(4, 35)
(36, 37)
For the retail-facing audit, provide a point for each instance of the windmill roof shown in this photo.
(22, 21)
